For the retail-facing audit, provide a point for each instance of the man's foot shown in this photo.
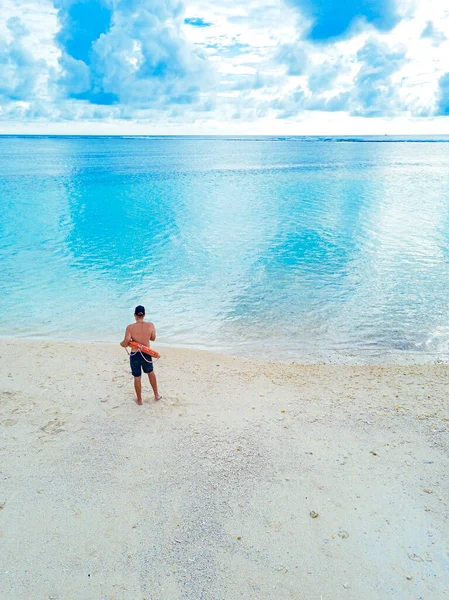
(158, 397)
(139, 401)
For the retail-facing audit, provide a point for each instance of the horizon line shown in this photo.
(280, 137)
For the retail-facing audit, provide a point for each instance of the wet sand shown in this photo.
(209, 492)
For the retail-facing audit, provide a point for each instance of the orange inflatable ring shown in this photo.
(144, 349)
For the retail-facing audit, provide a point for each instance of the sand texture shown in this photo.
(208, 494)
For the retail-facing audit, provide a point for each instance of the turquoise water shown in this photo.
(295, 249)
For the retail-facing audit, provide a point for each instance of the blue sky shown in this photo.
(259, 66)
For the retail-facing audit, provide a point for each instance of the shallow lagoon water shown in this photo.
(296, 249)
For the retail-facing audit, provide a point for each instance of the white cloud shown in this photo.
(245, 67)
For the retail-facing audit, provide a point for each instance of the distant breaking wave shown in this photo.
(250, 138)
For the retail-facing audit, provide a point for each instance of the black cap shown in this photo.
(140, 311)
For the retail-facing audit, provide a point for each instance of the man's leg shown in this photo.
(138, 388)
(153, 382)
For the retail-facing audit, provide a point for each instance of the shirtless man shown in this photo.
(141, 332)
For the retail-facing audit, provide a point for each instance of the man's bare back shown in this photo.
(142, 332)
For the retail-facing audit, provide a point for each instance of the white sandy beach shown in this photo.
(207, 494)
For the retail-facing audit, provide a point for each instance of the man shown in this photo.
(141, 332)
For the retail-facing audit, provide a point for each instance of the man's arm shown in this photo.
(127, 338)
(153, 332)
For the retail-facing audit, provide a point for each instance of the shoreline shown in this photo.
(363, 358)
(209, 492)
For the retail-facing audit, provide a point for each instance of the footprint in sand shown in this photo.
(53, 427)
(5, 396)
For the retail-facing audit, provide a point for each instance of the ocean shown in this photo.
(297, 249)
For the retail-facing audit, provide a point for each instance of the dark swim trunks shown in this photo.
(139, 361)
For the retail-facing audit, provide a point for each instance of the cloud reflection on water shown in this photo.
(311, 248)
